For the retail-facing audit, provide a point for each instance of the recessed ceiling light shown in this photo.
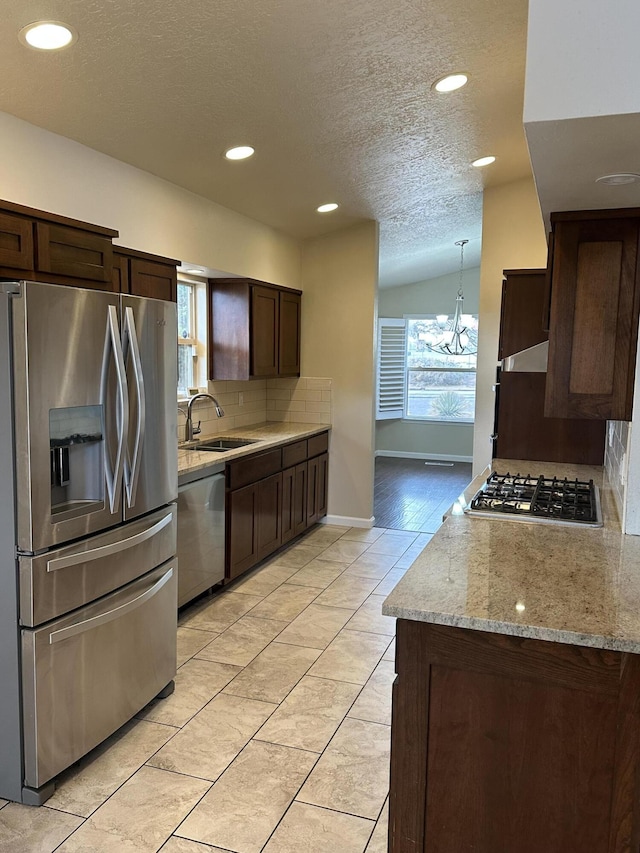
(327, 208)
(618, 180)
(241, 152)
(450, 82)
(47, 35)
(193, 271)
(483, 161)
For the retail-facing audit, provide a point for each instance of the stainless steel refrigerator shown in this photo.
(88, 476)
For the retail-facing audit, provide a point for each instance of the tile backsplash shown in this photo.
(616, 460)
(304, 400)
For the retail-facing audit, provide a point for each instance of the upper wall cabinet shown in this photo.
(254, 329)
(46, 247)
(595, 302)
(142, 274)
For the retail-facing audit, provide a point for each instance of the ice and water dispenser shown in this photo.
(76, 451)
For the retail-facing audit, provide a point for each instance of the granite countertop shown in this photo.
(263, 436)
(572, 585)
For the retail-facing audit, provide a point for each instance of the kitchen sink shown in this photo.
(220, 445)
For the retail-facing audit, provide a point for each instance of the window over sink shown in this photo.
(192, 335)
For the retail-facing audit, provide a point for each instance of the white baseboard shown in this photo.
(437, 457)
(347, 521)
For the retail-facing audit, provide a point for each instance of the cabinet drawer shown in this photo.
(318, 444)
(292, 454)
(73, 253)
(254, 468)
(16, 242)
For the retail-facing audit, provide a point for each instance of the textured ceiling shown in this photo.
(335, 96)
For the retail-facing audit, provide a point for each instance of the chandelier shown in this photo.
(453, 337)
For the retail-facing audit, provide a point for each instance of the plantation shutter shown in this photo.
(391, 368)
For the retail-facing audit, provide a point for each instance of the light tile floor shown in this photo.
(277, 736)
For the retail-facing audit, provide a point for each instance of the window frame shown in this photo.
(198, 339)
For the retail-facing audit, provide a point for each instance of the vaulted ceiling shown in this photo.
(335, 97)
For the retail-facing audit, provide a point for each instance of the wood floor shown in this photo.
(409, 495)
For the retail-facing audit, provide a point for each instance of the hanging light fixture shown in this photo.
(454, 338)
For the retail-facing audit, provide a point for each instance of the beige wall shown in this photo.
(431, 440)
(46, 171)
(513, 237)
(340, 278)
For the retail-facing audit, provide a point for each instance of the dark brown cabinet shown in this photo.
(254, 330)
(272, 497)
(595, 305)
(74, 254)
(242, 533)
(46, 247)
(504, 744)
(142, 274)
(521, 429)
(16, 242)
(269, 515)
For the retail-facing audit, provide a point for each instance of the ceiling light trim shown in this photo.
(239, 152)
(618, 179)
(42, 32)
(481, 162)
(450, 82)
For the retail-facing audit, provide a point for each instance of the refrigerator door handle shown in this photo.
(108, 550)
(132, 466)
(113, 349)
(110, 615)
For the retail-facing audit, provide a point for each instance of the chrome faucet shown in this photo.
(189, 429)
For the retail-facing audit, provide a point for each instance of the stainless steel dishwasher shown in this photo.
(200, 535)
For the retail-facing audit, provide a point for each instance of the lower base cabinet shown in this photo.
(242, 534)
(269, 515)
(505, 744)
(266, 514)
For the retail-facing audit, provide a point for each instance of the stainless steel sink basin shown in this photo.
(220, 445)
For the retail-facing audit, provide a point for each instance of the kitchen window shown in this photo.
(192, 336)
(415, 382)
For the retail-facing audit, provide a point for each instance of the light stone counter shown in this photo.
(571, 585)
(264, 436)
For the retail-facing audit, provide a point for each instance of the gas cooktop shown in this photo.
(529, 498)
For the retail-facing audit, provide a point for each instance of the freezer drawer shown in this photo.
(86, 674)
(60, 581)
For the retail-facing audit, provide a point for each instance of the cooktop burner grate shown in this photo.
(549, 498)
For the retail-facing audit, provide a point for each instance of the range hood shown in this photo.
(531, 360)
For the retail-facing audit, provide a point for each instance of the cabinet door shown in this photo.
(521, 313)
(154, 280)
(73, 253)
(242, 532)
(269, 515)
(322, 485)
(534, 743)
(312, 491)
(289, 338)
(594, 319)
(300, 522)
(16, 242)
(264, 331)
(288, 503)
